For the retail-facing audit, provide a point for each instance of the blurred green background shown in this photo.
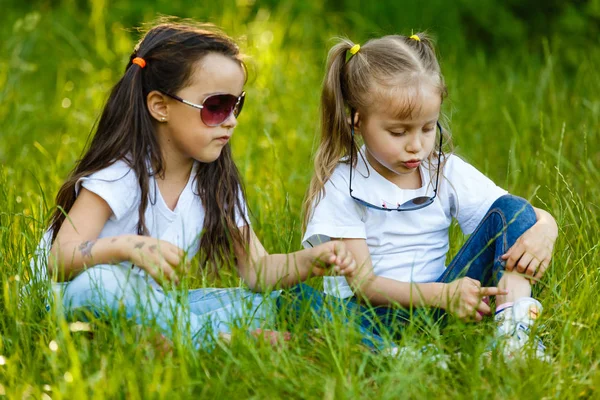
(513, 69)
(524, 107)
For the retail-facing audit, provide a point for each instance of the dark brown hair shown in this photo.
(378, 69)
(126, 132)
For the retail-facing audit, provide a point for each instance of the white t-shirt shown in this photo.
(119, 187)
(408, 246)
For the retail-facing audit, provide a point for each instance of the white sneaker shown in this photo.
(514, 330)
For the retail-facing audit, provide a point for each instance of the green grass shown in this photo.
(527, 116)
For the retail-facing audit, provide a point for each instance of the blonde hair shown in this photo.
(379, 68)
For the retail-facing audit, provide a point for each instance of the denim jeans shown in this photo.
(479, 258)
(111, 290)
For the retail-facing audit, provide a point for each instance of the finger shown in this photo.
(172, 258)
(169, 273)
(473, 282)
(347, 261)
(533, 266)
(339, 249)
(524, 262)
(542, 269)
(484, 308)
(514, 254)
(492, 291)
(177, 250)
(349, 270)
(156, 274)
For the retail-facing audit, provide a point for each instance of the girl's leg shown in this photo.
(302, 303)
(107, 290)
(480, 257)
(249, 308)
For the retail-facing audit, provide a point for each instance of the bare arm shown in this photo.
(461, 297)
(262, 271)
(77, 245)
(383, 291)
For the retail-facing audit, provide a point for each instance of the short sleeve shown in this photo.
(336, 215)
(471, 193)
(116, 184)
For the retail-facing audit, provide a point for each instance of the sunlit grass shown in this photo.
(528, 120)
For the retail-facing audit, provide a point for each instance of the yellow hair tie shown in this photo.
(355, 49)
(415, 37)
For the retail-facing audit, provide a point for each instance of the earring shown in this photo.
(163, 119)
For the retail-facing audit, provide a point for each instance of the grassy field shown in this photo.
(526, 111)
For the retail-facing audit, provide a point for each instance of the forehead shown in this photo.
(412, 103)
(216, 73)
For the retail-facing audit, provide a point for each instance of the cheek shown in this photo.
(385, 148)
(431, 141)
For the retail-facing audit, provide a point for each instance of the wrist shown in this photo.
(546, 219)
(439, 295)
(123, 247)
(303, 260)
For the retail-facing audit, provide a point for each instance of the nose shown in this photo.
(230, 122)
(414, 144)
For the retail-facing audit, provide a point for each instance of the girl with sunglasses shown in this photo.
(158, 186)
(392, 201)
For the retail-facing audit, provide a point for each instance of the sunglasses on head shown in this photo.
(216, 108)
(411, 205)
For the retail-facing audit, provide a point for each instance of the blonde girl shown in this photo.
(393, 198)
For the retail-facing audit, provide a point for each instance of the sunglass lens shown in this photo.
(217, 109)
(417, 203)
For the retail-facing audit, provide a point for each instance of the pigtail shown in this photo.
(335, 128)
(146, 158)
(124, 132)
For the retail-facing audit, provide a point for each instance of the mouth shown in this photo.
(223, 139)
(411, 164)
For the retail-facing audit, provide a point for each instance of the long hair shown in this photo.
(382, 67)
(125, 131)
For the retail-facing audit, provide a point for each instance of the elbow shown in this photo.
(55, 268)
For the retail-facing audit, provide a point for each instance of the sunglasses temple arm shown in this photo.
(351, 150)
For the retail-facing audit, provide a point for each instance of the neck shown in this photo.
(177, 170)
(177, 167)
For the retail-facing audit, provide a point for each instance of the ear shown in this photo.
(157, 106)
(356, 121)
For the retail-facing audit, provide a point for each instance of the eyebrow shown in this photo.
(402, 123)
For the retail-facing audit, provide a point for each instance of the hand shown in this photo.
(158, 258)
(336, 254)
(463, 298)
(532, 252)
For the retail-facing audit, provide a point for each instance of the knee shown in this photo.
(515, 208)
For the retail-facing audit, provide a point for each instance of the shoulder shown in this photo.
(340, 175)
(116, 184)
(117, 172)
(453, 162)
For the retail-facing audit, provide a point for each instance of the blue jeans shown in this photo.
(479, 258)
(111, 290)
